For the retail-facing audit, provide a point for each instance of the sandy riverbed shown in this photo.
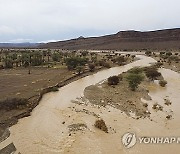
(47, 130)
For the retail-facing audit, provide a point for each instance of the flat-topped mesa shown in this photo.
(129, 34)
(169, 33)
(160, 39)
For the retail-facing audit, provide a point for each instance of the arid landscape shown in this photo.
(24, 87)
(89, 77)
(124, 40)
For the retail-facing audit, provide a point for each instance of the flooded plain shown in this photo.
(46, 130)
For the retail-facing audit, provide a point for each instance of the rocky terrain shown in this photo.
(124, 40)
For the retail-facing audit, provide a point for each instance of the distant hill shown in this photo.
(19, 45)
(160, 39)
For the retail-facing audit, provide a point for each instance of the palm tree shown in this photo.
(48, 53)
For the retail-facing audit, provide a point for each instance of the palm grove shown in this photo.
(78, 61)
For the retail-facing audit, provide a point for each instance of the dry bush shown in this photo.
(113, 80)
(101, 125)
(14, 103)
(162, 83)
(157, 107)
(167, 102)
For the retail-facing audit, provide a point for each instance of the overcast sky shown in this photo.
(47, 20)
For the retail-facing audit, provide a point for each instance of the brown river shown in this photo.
(46, 130)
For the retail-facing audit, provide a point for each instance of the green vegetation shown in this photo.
(134, 80)
(56, 57)
(54, 89)
(169, 57)
(73, 62)
(120, 60)
(152, 73)
(104, 63)
(91, 67)
(76, 61)
(135, 77)
(136, 70)
(79, 69)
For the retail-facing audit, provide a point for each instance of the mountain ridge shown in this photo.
(19, 45)
(131, 39)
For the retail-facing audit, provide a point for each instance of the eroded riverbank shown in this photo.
(47, 129)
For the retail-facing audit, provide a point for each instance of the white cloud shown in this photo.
(48, 41)
(20, 40)
(63, 19)
(6, 30)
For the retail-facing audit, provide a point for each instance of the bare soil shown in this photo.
(120, 97)
(18, 83)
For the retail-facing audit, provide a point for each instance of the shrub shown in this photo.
(107, 65)
(91, 67)
(152, 73)
(113, 80)
(148, 53)
(162, 83)
(79, 69)
(169, 53)
(120, 77)
(127, 55)
(134, 80)
(158, 64)
(157, 107)
(54, 89)
(73, 62)
(162, 53)
(55, 57)
(101, 63)
(14, 103)
(176, 53)
(164, 56)
(168, 117)
(136, 70)
(174, 58)
(120, 60)
(101, 125)
(133, 56)
(167, 102)
(84, 53)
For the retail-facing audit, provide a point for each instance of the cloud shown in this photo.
(6, 30)
(49, 41)
(64, 19)
(20, 40)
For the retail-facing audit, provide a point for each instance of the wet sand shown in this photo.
(47, 129)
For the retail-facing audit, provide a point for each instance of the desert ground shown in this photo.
(99, 101)
(21, 86)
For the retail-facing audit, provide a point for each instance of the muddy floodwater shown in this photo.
(46, 130)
